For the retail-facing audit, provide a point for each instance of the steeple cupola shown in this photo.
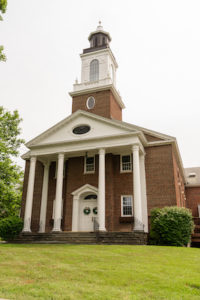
(98, 39)
(98, 74)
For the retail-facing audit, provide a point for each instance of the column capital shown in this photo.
(45, 162)
(135, 147)
(61, 155)
(33, 158)
(102, 151)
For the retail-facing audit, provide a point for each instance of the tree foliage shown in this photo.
(171, 226)
(10, 227)
(10, 173)
(3, 5)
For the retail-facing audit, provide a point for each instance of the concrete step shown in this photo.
(125, 238)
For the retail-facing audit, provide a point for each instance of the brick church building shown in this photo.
(93, 171)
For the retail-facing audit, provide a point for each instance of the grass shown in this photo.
(98, 272)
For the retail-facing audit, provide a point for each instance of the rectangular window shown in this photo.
(127, 206)
(126, 163)
(89, 164)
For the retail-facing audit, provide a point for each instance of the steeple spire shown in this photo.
(99, 27)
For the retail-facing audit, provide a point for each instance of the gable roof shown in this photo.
(118, 127)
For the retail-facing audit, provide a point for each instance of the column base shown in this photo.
(138, 230)
(27, 225)
(56, 230)
(57, 225)
(26, 231)
(102, 229)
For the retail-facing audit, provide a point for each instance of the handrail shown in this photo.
(95, 224)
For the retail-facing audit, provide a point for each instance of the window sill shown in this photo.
(127, 171)
(128, 219)
(86, 173)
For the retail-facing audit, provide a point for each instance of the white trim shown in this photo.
(122, 196)
(88, 101)
(111, 87)
(87, 188)
(131, 162)
(104, 50)
(85, 171)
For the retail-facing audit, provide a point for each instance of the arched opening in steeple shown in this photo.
(94, 70)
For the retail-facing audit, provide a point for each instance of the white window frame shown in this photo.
(122, 213)
(121, 166)
(85, 168)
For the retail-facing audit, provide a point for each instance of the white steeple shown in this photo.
(98, 62)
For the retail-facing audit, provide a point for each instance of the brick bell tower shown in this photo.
(97, 93)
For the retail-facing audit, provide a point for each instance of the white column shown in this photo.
(101, 196)
(29, 196)
(43, 208)
(138, 225)
(143, 192)
(75, 213)
(59, 186)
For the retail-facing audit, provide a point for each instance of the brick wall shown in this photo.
(193, 199)
(105, 104)
(160, 177)
(179, 185)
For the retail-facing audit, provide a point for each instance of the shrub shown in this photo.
(10, 227)
(171, 226)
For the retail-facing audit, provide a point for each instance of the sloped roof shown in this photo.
(192, 176)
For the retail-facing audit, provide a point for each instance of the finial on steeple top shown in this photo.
(99, 27)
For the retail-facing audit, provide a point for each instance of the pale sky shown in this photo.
(156, 45)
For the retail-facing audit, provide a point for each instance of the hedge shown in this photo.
(171, 226)
(10, 227)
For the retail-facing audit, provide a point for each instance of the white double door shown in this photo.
(87, 214)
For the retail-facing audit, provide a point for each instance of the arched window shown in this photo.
(112, 73)
(94, 70)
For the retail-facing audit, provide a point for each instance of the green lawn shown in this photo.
(98, 272)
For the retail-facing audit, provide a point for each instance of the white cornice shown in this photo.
(189, 185)
(68, 142)
(100, 88)
(99, 52)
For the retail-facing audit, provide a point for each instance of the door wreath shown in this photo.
(95, 210)
(86, 210)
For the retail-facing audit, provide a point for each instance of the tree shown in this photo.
(10, 173)
(3, 5)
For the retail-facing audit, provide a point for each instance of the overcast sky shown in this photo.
(156, 45)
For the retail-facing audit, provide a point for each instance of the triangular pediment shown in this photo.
(62, 132)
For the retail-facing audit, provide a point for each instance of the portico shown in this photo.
(138, 180)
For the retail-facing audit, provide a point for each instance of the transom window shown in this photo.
(127, 206)
(126, 163)
(89, 164)
(94, 70)
(90, 196)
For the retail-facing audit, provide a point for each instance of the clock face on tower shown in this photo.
(90, 103)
